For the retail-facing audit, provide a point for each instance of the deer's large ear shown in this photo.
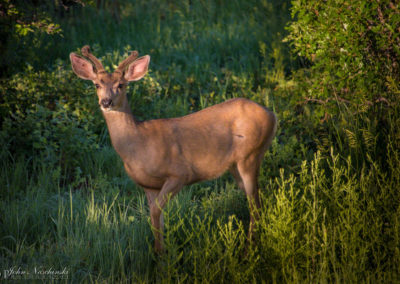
(82, 67)
(137, 69)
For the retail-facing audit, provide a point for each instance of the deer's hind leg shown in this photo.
(248, 171)
(235, 173)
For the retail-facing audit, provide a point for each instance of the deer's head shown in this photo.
(111, 88)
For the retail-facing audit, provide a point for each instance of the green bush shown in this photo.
(353, 48)
(50, 116)
(348, 84)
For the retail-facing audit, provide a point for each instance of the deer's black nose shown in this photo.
(106, 103)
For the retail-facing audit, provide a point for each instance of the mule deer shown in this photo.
(163, 155)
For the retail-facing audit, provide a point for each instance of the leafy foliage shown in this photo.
(353, 48)
(43, 115)
(351, 53)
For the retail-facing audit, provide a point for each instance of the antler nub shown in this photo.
(122, 66)
(86, 52)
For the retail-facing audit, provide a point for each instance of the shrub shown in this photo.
(47, 114)
(353, 47)
(350, 53)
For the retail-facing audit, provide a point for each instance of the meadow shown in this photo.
(330, 182)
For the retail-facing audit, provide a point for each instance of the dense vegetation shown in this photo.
(330, 182)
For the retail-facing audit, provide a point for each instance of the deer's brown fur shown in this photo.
(163, 155)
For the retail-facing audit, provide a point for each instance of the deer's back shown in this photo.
(203, 145)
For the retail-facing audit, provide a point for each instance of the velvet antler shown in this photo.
(122, 66)
(97, 64)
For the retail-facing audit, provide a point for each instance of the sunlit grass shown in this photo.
(313, 227)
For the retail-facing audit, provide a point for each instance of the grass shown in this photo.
(314, 227)
(330, 209)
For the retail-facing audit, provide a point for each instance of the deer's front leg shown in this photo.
(157, 201)
(156, 222)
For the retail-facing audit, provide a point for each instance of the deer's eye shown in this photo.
(120, 86)
(97, 86)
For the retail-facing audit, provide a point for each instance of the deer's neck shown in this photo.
(122, 127)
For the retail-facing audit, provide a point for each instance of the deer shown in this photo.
(164, 155)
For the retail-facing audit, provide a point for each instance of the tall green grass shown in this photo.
(324, 223)
(330, 206)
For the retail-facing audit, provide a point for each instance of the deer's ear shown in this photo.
(137, 69)
(82, 67)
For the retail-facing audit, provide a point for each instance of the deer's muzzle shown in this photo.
(106, 103)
